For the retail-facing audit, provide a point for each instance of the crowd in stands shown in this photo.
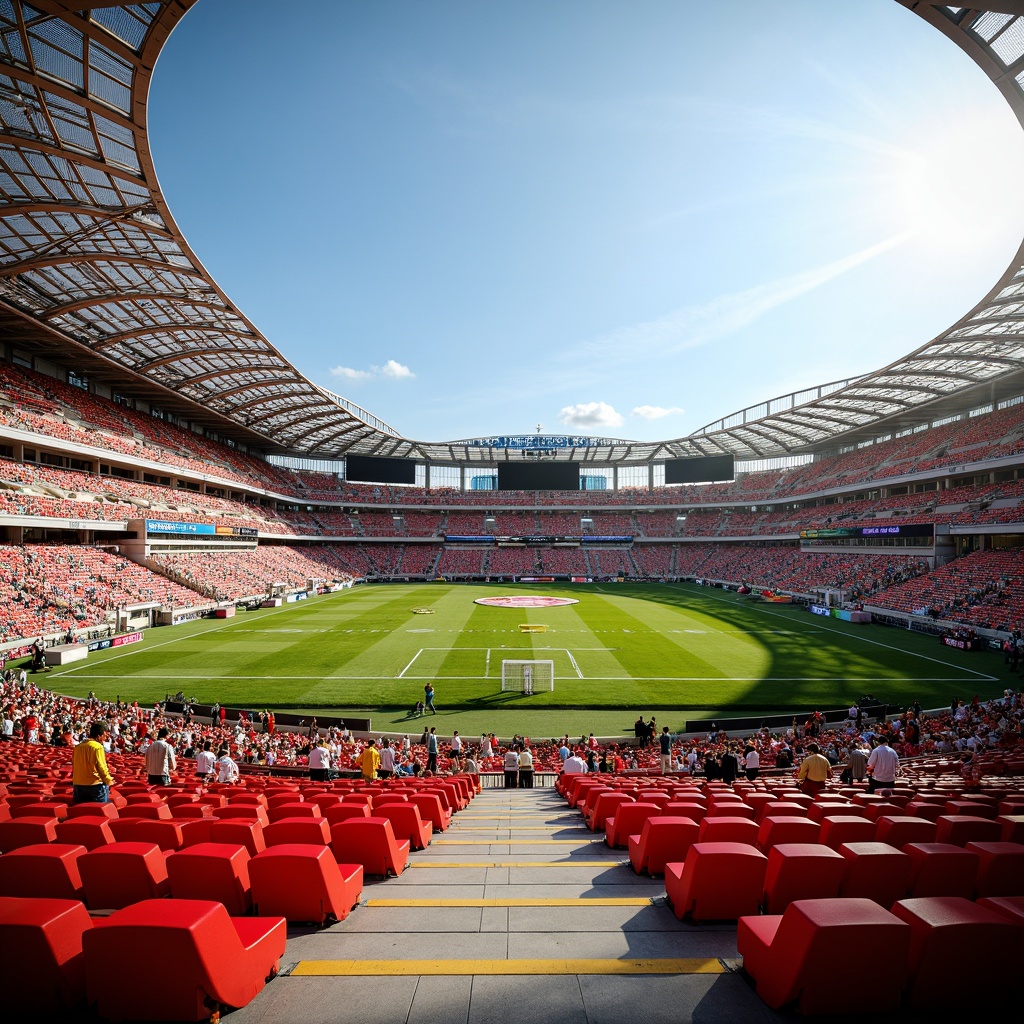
(46, 589)
(64, 413)
(971, 736)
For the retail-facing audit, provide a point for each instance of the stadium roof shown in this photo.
(94, 269)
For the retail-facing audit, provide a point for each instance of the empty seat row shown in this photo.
(927, 954)
(724, 881)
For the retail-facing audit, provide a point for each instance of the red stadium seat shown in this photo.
(819, 952)
(248, 833)
(431, 810)
(45, 871)
(87, 832)
(939, 869)
(801, 871)
(898, 830)
(26, 832)
(716, 882)
(123, 873)
(304, 883)
(406, 823)
(628, 820)
(1012, 826)
(372, 843)
(774, 830)
(954, 944)
(605, 807)
(662, 839)
(961, 829)
(212, 871)
(875, 871)
(315, 831)
(1000, 868)
(91, 810)
(41, 941)
(343, 811)
(728, 830)
(214, 960)
(835, 830)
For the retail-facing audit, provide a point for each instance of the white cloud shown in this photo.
(395, 370)
(590, 414)
(391, 370)
(656, 412)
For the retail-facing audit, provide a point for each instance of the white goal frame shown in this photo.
(528, 676)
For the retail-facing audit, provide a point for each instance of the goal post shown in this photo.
(528, 676)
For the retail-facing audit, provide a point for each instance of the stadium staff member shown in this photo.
(90, 776)
(160, 760)
(814, 771)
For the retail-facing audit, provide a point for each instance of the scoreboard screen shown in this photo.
(538, 476)
(699, 471)
(366, 469)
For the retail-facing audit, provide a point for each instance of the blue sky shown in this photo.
(621, 219)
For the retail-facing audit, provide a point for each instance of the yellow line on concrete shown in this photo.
(506, 842)
(518, 864)
(527, 828)
(395, 968)
(608, 901)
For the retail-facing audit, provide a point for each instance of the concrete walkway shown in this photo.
(516, 913)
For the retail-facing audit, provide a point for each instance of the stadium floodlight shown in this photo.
(528, 677)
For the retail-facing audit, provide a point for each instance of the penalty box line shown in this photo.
(487, 659)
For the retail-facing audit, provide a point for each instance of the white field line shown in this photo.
(573, 661)
(407, 667)
(663, 679)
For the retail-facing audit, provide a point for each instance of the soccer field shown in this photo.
(676, 647)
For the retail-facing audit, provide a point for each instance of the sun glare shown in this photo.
(957, 186)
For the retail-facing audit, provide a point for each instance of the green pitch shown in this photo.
(677, 647)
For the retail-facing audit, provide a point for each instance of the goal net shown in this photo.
(528, 676)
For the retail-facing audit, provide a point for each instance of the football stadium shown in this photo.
(304, 718)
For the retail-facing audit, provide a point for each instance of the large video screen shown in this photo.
(538, 476)
(711, 469)
(366, 469)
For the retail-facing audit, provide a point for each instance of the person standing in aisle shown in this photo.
(432, 751)
(160, 760)
(665, 743)
(526, 769)
(511, 768)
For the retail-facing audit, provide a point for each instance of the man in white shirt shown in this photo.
(574, 765)
(883, 764)
(387, 760)
(526, 769)
(205, 761)
(511, 769)
(227, 770)
(160, 760)
(319, 762)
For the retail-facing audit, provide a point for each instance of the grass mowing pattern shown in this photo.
(622, 646)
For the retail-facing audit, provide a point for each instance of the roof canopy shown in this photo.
(93, 267)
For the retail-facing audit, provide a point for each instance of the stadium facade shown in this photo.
(126, 368)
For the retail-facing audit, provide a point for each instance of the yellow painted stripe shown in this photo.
(527, 828)
(395, 968)
(517, 864)
(506, 842)
(609, 901)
